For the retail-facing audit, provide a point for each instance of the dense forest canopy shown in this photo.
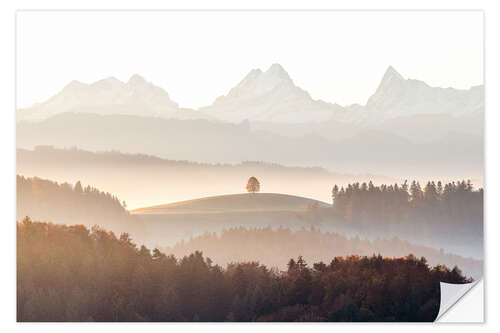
(445, 216)
(441, 213)
(71, 273)
(50, 201)
(273, 248)
(396, 204)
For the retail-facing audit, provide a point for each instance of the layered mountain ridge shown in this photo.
(109, 96)
(270, 96)
(262, 96)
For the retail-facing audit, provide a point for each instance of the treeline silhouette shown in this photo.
(441, 212)
(138, 177)
(71, 273)
(273, 248)
(48, 153)
(47, 200)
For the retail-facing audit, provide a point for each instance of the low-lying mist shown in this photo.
(142, 180)
(272, 247)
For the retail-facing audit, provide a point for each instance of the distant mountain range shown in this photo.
(406, 128)
(453, 154)
(270, 96)
(262, 96)
(110, 96)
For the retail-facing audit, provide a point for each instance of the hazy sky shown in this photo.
(196, 56)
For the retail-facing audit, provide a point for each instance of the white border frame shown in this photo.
(492, 51)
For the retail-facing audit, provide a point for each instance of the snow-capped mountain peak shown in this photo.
(269, 95)
(391, 75)
(74, 86)
(277, 71)
(136, 80)
(399, 97)
(391, 85)
(106, 96)
(257, 83)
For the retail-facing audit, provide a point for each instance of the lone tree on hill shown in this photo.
(253, 185)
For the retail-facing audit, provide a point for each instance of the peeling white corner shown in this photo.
(460, 304)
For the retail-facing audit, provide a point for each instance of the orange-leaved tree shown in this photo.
(253, 185)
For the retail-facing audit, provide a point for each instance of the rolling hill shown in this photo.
(170, 223)
(245, 202)
(145, 180)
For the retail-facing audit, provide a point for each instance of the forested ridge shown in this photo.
(47, 200)
(71, 273)
(456, 204)
(256, 244)
(437, 212)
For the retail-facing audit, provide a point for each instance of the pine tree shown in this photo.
(78, 188)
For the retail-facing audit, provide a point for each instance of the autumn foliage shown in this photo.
(71, 273)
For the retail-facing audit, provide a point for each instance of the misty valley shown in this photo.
(267, 205)
(247, 254)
